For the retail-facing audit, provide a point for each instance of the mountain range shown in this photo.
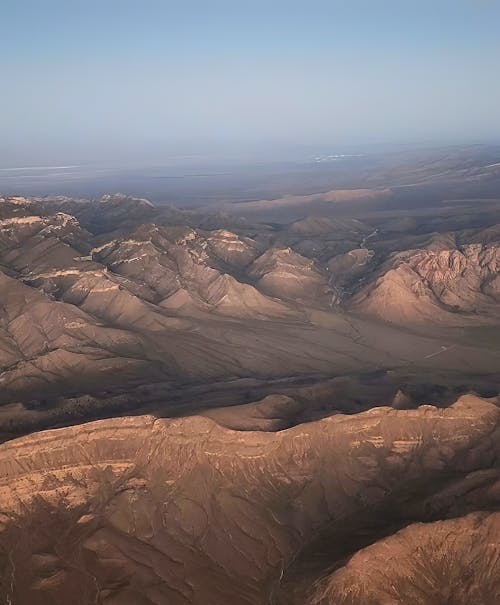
(214, 406)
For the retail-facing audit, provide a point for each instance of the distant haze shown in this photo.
(136, 82)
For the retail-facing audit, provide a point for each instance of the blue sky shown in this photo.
(127, 80)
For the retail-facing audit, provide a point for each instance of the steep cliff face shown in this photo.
(150, 511)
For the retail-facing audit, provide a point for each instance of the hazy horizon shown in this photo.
(130, 82)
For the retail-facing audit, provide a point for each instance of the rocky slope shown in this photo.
(147, 511)
(455, 561)
(449, 285)
(303, 412)
(287, 274)
(115, 304)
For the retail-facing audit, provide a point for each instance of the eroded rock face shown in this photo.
(150, 511)
(103, 299)
(117, 306)
(443, 286)
(455, 561)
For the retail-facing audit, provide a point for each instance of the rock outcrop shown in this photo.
(443, 286)
(150, 511)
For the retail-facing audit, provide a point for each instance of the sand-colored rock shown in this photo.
(144, 510)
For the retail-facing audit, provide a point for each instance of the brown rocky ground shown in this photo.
(302, 411)
(143, 510)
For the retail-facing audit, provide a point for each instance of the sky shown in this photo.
(139, 81)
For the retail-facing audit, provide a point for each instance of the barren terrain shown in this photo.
(285, 400)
